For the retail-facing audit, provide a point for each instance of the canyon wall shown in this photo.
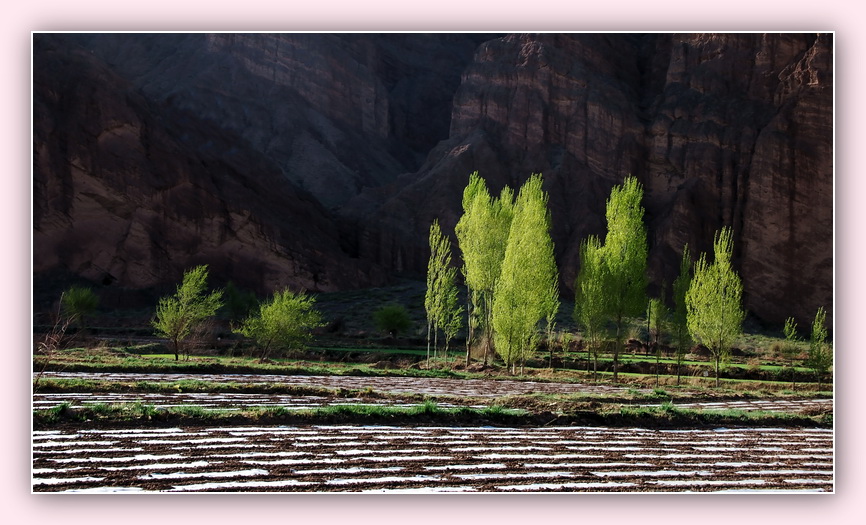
(319, 161)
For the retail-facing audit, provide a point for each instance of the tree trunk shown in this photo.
(435, 341)
(468, 329)
(718, 357)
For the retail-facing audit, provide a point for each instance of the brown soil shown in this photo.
(356, 458)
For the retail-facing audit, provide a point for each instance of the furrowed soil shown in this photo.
(329, 458)
(549, 447)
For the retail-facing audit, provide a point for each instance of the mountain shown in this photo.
(318, 161)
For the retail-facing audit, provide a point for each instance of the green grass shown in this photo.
(128, 412)
(667, 412)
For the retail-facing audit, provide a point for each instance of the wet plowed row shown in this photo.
(236, 401)
(213, 400)
(769, 405)
(415, 385)
(432, 459)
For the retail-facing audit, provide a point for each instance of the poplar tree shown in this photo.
(715, 315)
(440, 300)
(679, 325)
(820, 357)
(790, 348)
(482, 234)
(625, 256)
(657, 320)
(590, 301)
(527, 290)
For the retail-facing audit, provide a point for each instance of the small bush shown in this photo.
(77, 303)
(392, 319)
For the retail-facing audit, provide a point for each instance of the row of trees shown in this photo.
(508, 267)
(283, 321)
(512, 281)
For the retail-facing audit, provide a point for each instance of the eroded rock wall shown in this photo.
(319, 161)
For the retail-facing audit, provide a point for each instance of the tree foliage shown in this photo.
(77, 303)
(392, 319)
(441, 298)
(820, 357)
(790, 347)
(679, 317)
(283, 322)
(625, 256)
(527, 290)
(178, 315)
(590, 301)
(715, 315)
(482, 234)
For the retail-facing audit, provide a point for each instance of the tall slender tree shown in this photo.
(679, 325)
(590, 301)
(482, 234)
(441, 301)
(625, 256)
(657, 321)
(527, 291)
(820, 357)
(714, 301)
(790, 347)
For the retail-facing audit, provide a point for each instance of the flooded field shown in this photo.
(214, 400)
(432, 459)
(414, 385)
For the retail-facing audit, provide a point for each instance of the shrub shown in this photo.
(77, 303)
(285, 321)
(177, 316)
(392, 319)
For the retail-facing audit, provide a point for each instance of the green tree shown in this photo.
(179, 314)
(284, 322)
(679, 319)
(791, 348)
(590, 301)
(482, 234)
(625, 255)
(529, 278)
(715, 315)
(77, 304)
(820, 357)
(657, 320)
(392, 319)
(440, 301)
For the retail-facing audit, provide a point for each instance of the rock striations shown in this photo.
(318, 161)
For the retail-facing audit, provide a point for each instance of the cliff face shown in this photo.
(322, 159)
(722, 130)
(129, 192)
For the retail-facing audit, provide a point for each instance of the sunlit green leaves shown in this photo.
(285, 321)
(715, 315)
(528, 289)
(178, 315)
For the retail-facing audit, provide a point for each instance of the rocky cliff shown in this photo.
(320, 160)
(728, 129)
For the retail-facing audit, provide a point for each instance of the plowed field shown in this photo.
(432, 459)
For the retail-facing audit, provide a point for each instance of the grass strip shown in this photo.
(428, 412)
